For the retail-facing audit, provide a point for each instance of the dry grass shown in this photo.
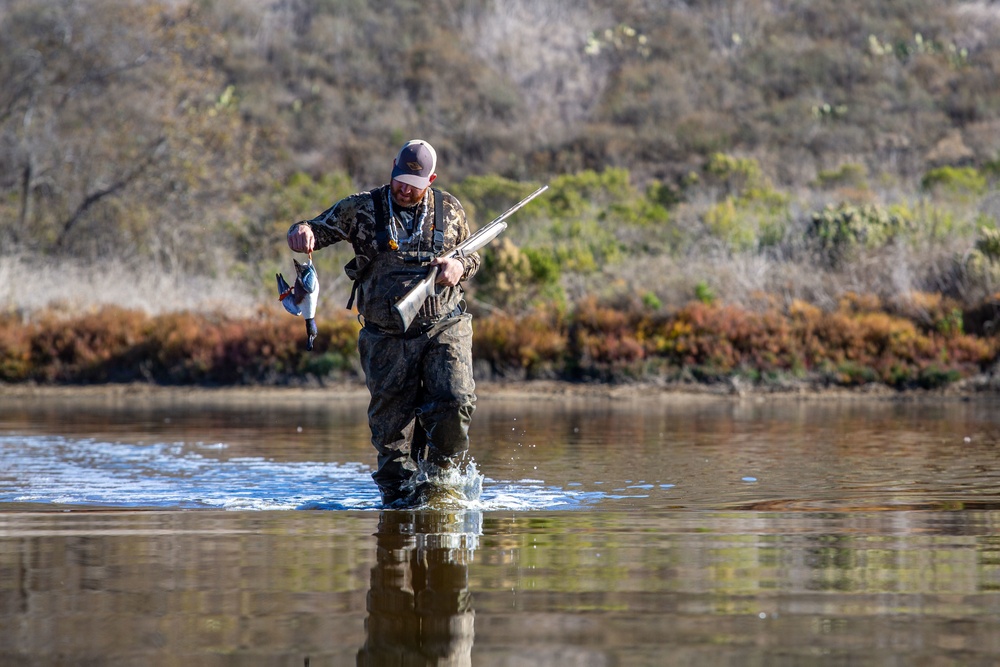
(754, 278)
(28, 286)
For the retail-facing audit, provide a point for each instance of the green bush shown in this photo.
(588, 193)
(752, 213)
(726, 221)
(850, 175)
(664, 194)
(514, 278)
(504, 273)
(486, 197)
(957, 181)
(845, 228)
(735, 174)
(651, 301)
(704, 293)
(982, 264)
(989, 243)
(544, 266)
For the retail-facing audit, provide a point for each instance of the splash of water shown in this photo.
(443, 488)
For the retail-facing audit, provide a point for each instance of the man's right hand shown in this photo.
(301, 238)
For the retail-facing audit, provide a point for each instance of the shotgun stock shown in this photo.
(408, 307)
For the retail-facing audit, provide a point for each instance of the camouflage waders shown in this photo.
(420, 380)
(423, 397)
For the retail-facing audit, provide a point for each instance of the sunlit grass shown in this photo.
(29, 285)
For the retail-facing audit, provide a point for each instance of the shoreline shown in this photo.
(502, 390)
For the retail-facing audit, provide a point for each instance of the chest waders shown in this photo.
(420, 381)
(383, 274)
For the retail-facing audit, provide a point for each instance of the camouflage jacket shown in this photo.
(384, 275)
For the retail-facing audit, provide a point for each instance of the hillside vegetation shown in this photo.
(725, 167)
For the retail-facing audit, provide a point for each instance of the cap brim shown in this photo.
(411, 179)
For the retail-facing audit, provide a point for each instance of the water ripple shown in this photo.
(94, 473)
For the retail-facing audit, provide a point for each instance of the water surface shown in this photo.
(671, 531)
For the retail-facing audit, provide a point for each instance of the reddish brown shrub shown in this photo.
(604, 341)
(79, 349)
(533, 345)
(15, 349)
(853, 345)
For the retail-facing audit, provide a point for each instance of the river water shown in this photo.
(215, 528)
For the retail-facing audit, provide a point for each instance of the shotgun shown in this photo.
(408, 307)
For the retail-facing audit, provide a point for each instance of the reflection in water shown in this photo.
(182, 588)
(557, 588)
(419, 605)
(858, 533)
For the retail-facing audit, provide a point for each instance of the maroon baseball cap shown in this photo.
(415, 164)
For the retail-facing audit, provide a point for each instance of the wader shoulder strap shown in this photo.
(382, 234)
(438, 218)
(381, 220)
(381, 241)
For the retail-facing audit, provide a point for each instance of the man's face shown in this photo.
(406, 195)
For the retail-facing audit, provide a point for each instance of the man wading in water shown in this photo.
(420, 379)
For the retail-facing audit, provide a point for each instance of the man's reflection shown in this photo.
(419, 605)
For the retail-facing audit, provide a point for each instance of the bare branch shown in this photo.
(94, 197)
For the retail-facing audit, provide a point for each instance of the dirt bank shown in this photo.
(530, 390)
